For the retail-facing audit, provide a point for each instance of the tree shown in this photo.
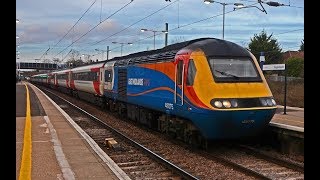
(74, 55)
(268, 45)
(295, 67)
(302, 45)
(75, 58)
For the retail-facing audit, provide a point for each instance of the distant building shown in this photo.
(289, 54)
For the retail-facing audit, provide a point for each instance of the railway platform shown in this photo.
(291, 119)
(286, 131)
(49, 145)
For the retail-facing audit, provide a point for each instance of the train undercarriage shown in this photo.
(175, 127)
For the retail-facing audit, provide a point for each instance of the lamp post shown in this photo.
(18, 53)
(122, 43)
(223, 12)
(154, 35)
(18, 70)
(18, 65)
(103, 52)
(108, 52)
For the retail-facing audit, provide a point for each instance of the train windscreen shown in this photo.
(234, 69)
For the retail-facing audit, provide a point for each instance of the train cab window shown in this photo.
(191, 72)
(179, 72)
(108, 76)
(234, 70)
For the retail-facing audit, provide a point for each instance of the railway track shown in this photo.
(136, 160)
(291, 164)
(262, 165)
(223, 163)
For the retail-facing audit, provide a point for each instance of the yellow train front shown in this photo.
(224, 91)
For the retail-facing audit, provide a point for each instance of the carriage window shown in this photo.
(179, 72)
(62, 76)
(191, 72)
(85, 76)
(108, 76)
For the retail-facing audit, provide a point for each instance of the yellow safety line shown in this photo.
(25, 169)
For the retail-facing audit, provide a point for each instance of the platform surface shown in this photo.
(56, 150)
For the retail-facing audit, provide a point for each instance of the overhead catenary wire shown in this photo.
(97, 42)
(135, 23)
(207, 18)
(266, 52)
(158, 33)
(66, 55)
(189, 24)
(45, 53)
(289, 31)
(71, 27)
(288, 5)
(179, 26)
(280, 34)
(94, 27)
(75, 23)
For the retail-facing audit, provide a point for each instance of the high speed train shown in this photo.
(197, 90)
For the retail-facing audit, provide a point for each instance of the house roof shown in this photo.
(289, 54)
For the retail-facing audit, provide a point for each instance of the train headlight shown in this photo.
(263, 102)
(218, 104)
(269, 102)
(226, 103)
(234, 103)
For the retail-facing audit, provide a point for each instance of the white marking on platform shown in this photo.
(64, 165)
(285, 126)
(44, 125)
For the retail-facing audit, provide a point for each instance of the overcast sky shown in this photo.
(45, 24)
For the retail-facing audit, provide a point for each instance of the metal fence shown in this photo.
(281, 78)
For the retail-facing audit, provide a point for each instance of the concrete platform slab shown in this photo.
(293, 117)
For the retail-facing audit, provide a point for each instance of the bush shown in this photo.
(295, 67)
(295, 92)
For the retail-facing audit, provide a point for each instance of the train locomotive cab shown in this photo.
(225, 92)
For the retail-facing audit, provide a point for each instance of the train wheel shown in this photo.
(194, 139)
(110, 105)
(204, 144)
(172, 135)
(105, 104)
